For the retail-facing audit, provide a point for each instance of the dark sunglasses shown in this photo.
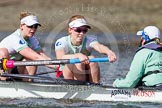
(33, 26)
(79, 30)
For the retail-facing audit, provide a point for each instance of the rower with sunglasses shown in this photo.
(23, 45)
(78, 45)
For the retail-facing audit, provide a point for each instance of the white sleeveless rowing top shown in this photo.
(15, 43)
(85, 47)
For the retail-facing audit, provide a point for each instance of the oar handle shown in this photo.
(76, 60)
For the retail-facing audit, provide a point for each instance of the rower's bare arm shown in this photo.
(105, 50)
(30, 54)
(60, 54)
(44, 55)
(47, 58)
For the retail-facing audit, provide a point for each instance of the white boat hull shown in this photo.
(81, 92)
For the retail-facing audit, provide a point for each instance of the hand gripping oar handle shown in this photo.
(5, 64)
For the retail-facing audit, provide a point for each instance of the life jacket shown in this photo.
(152, 46)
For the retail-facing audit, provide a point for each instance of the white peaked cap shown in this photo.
(30, 20)
(78, 23)
(151, 31)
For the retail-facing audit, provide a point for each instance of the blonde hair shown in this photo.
(157, 40)
(24, 14)
(75, 17)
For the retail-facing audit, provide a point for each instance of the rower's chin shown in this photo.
(30, 35)
(80, 40)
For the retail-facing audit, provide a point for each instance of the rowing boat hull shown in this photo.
(82, 92)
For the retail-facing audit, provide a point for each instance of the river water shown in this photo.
(122, 44)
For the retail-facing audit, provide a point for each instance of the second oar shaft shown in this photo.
(11, 63)
(40, 62)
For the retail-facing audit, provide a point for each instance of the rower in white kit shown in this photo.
(23, 45)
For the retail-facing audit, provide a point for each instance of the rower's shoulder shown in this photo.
(62, 38)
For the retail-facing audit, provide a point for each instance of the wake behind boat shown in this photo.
(70, 89)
